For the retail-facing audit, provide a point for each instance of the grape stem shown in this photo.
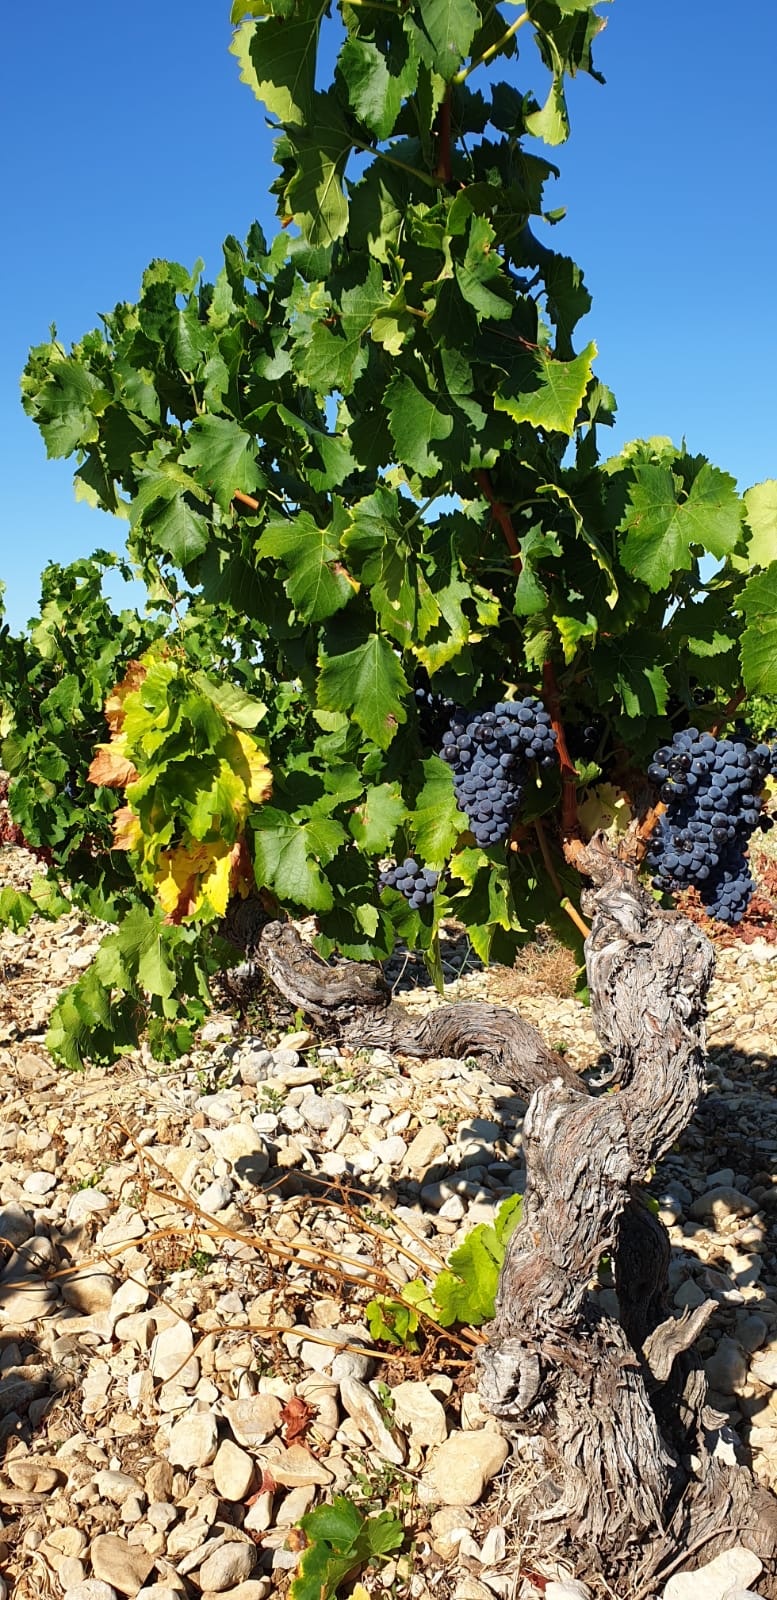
(502, 516)
(728, 711)
(564, 900)
(246, 500)
(569, 823)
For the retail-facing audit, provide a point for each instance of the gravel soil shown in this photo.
(186, 1255)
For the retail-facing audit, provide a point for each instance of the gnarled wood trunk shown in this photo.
(634, 1468)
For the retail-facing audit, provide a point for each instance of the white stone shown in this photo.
(193, 1441)
(233, 1471)
(764, 1366)
(39, 1183)
(361, 1404)
(242, 1147)
(254, 1419)
(119, 1563)
(86, 1203)
(726, 1368)
(735, 1567)
(461, 1467)
(216, 1196)
(91, 1589)
(570, 1589)
(418, 1412)
(229, 1565)
(720, 1203)
(171, 1355)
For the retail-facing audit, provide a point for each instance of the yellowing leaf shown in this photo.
(114, 705)
(253, 769)
(126, 829)
(111, 767)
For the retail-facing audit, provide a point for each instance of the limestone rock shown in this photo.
(362, 1405)
(119, 1563)
(233, 1471)
(735, 1568)
(229, 1565)
(419, 1413)
(461, 1467)
(193, 1440)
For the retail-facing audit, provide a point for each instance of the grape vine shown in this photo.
(361, 471)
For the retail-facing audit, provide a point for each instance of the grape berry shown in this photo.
(711, 788)
(490, 753)
(417, 884)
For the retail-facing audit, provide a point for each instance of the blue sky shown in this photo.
(128, 135)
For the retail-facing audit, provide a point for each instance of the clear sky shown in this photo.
(127, 134)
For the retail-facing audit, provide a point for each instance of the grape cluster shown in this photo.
(434, 710)
(711, 788)
(417, 884)
(490, 752)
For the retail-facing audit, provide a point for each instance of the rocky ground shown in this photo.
(186, 1255)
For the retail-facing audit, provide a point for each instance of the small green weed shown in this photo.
(464, 1291)
(341, 1541)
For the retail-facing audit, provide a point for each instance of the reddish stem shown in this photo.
(569, 824)
(728, 711)
(502, 516)
(246, 500)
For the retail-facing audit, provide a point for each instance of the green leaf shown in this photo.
(661, 527)
(392, 1322)
(315, 196)
(68, 407)
(761, 514)
(374, 93)
(442, 32)
(369, 683)
(466, 1290)
(628, 665)
(223, 458)
(417, 423)
(340, 1524)
(481, 276)
(277, 57)
(179, 530)
(318, 584)
(375, 821)
(289, 854)
(437, 823)
(759, 641)
(551, 121)
(545, 392)
(237, 707)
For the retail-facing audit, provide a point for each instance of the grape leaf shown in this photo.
(375, 821)
(375, 93)
(761, 513)
(368, 682)
(288, 854)
(68, 406)
(545, 392)
(437, 823)
(417, 423)
(660, 528)
(314, 195)
(465, 1290)
(442, 32)
(318, 583)
(759, 641)
(223, 457)
(277, 57)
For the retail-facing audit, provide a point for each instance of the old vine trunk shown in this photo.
(630, 1464)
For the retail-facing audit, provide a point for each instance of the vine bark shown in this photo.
(633, 1466)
